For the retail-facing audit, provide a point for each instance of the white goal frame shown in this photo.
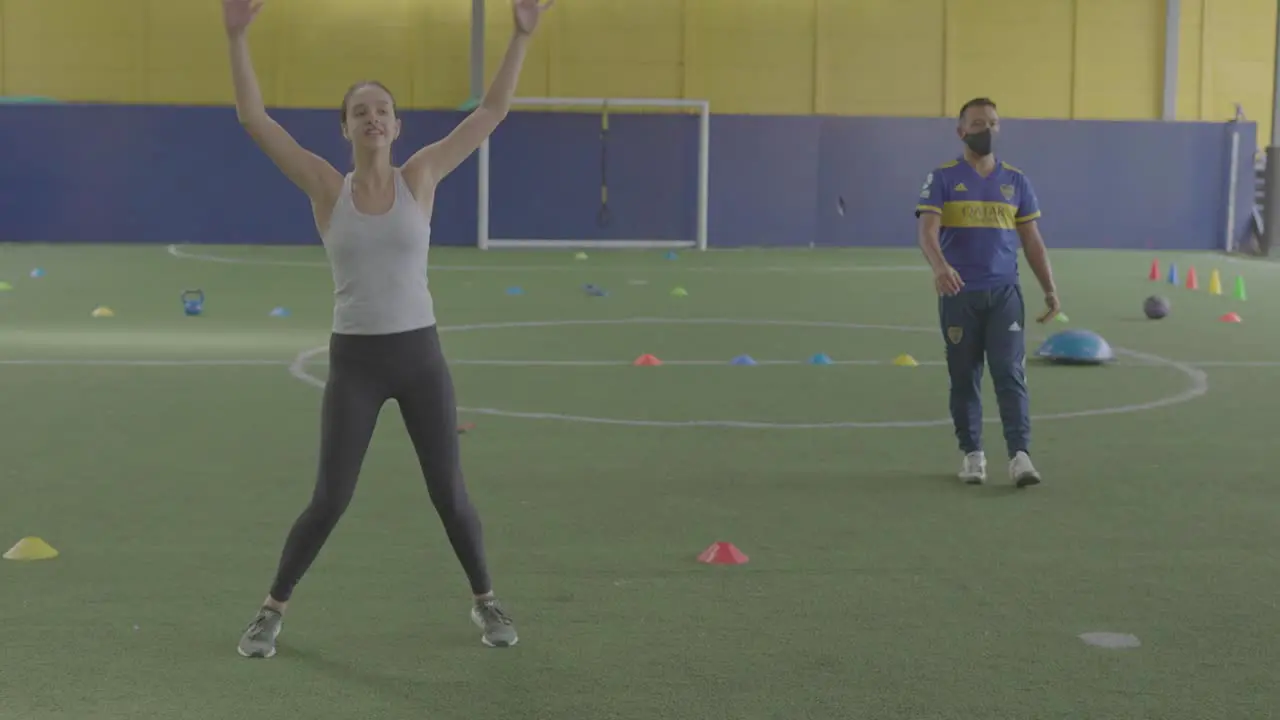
(485, 242)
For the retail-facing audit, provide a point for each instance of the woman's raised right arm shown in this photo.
(310, 172)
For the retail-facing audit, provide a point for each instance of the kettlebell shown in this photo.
(193, 302)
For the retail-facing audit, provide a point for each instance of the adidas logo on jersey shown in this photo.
(1015, 327)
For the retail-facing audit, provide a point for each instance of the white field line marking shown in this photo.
(923, 363)
(1197, 387)
(130, 362)
(123, 362)
(178, 252)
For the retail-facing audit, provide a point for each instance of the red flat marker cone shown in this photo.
(1192, 282)
(1155, 271)
(1230, 318)
(647, 360)
(722, 553)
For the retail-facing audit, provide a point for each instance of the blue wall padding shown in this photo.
(151, 174)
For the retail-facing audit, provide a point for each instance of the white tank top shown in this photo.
(379, 265)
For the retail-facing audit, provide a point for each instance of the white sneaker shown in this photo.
(1022, 472)
(974, 469)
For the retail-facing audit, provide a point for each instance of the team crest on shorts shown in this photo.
(1007, 192)
(954, 334)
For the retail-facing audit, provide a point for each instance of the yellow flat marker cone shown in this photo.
(1215, 283)
(679, 292)
(5, 286)
(103, 312)
(31, 548)
(905, 361)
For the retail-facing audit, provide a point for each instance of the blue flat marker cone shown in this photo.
(820, 359)
(515, 291)
(38, 272)
(1173, 274)
(279, 312)
(743, 360)
(671, 255)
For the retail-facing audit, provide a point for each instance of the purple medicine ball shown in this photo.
(1156, 307)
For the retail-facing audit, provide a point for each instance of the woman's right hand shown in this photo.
(238, 14)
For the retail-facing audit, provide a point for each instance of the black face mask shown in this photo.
(979, 143)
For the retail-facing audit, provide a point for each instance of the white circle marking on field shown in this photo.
(1198, 380)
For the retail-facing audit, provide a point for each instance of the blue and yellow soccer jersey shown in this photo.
(980, 218)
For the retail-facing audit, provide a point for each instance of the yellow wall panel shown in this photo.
(617, 48)
(1119, 59)
(76, 50)
(441, 54)
(187, 53)
(1019, 53)
(187, 57)
(1190, 59)
(880, 57)
(84, 84)
(1036, 58)
(751, 56)
(329, 46)
(1241, 42)
(1227, 56)
(535, 81)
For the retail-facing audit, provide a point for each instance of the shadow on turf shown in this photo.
(346, 672)
(997, 485)
(994, 487)
(418, 691)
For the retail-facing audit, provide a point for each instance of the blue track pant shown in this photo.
(987, 326)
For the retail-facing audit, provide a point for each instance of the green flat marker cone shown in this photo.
(679, 292)
(1062, 318)
(580, 256)
(5, 286)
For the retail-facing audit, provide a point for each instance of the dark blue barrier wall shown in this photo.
(191, 175)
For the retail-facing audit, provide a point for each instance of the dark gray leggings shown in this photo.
(364, 372)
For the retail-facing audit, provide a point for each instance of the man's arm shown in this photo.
(928, 230)
(929, 225)
(1029, 234)
(1037, 255)
(1034, 248)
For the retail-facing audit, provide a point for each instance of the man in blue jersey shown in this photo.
(974, 212)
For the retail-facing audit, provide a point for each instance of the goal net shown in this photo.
(596, 173)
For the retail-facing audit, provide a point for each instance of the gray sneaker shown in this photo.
(1022, 472)
(498, 629)
(259, 639)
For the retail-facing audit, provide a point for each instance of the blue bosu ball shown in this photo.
(1076, 347)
